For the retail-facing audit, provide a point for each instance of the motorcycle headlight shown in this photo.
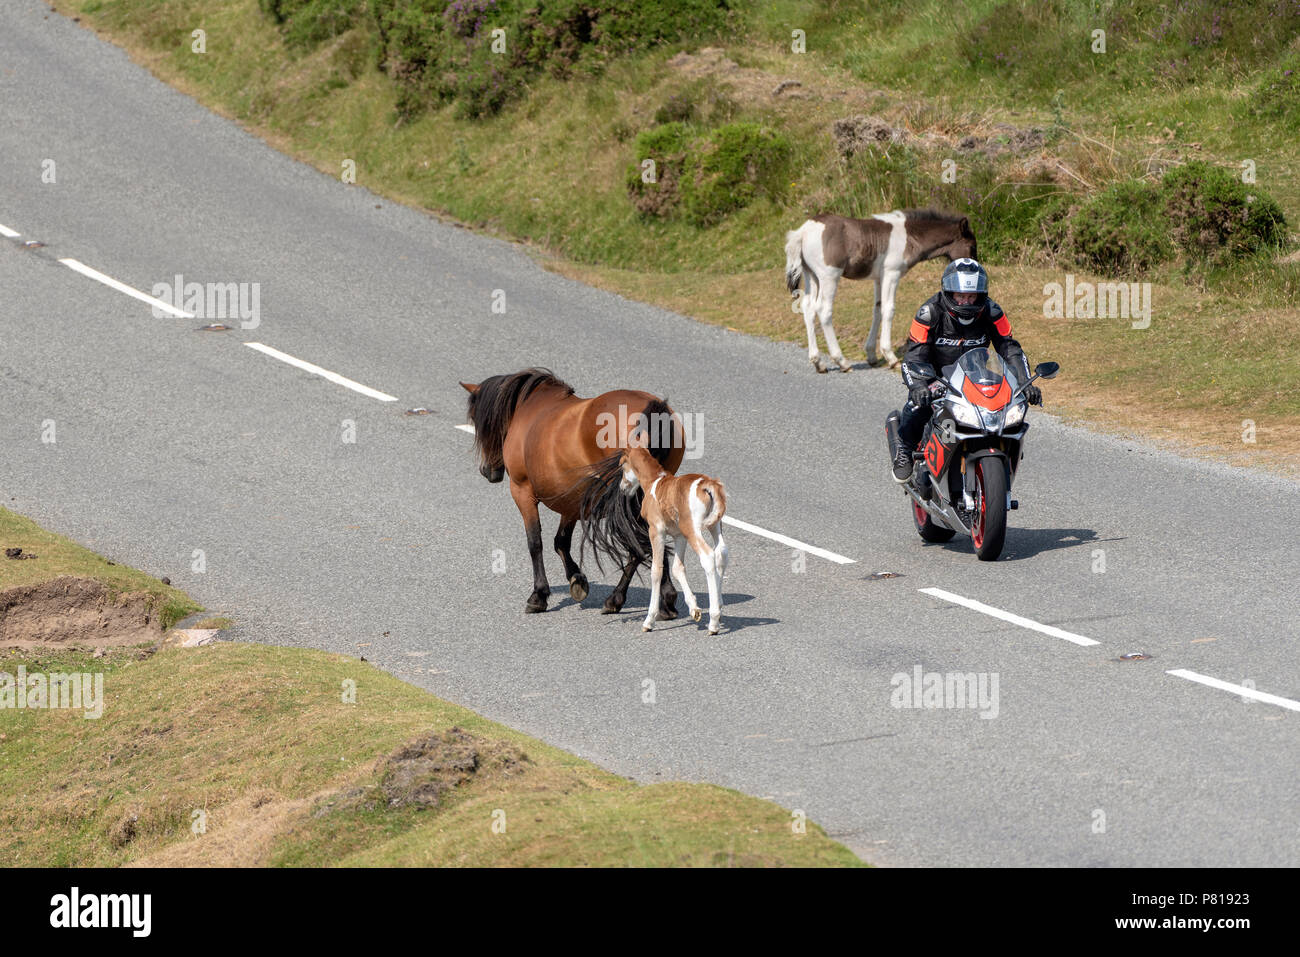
(1014, 415)
(965, 414)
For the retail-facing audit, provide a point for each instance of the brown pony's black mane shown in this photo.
(493, 406)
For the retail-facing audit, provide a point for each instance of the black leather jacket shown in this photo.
(937, 339)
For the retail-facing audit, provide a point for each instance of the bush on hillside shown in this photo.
(705, 176)
(1216, 217)
(1117, 232)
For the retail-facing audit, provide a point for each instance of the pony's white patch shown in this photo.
(654, 485)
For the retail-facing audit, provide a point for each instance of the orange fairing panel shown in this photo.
(934, 454)
(987, 396)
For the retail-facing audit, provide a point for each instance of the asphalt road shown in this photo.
(170, 440)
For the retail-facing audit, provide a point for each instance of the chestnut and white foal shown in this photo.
(689, 508)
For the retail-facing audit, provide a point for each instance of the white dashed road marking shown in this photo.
(112, 283)
(1008, 616)
(323, 373)
(1235, 689)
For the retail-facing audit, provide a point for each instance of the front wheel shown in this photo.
(926, 527)
(989, 528)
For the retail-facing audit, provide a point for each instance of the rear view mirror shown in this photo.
(1047, 370)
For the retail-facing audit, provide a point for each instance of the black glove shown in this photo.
(1034, 395)
(920, 395)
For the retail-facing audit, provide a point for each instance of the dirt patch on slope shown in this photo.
(420, 773)
(75, 611)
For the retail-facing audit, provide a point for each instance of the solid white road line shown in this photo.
(786, 540)
(7, 232)
(123, 287)
(323, 373)
(1007, 616)
(1235, 689)
(746, 527)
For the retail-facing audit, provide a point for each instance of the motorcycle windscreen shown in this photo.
(986, 368)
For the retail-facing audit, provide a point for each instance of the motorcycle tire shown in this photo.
(989, 528)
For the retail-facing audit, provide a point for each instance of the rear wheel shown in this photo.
(926, 527)
(989, 527)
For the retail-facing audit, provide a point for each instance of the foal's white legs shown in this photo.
(873, 337)
(715, 566)
(679, 576)
(656, 577)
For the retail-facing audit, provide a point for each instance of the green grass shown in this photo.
(57, 556)
(261, 741)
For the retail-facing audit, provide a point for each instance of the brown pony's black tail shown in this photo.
(612, 525)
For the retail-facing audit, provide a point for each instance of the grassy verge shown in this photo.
(552, 168)
(47, 556)
(255, 747)
(234, 754)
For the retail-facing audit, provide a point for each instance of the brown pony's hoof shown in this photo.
(578, 589)
(536, 603)
(611, 607)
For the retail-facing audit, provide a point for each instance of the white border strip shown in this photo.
(786, 540)
(1007, 616)
(7, 232)
(323, 373)
(746, 527)
(112, 283)
(1235, 689)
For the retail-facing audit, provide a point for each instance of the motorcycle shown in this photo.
(970, 452)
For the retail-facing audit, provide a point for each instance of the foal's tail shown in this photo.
(794, 261)
(715, 495)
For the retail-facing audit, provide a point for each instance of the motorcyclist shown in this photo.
(958, 318)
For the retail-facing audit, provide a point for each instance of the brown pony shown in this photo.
(553, 445)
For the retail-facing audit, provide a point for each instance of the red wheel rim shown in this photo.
(921, 515)
(977, 533)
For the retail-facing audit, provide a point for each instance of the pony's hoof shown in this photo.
(578, 589)
(535, 604)
(647, 627)
(697, 614)
(818, 365)
(666, 613)
(894, 363)
(611, 607)
(844, 364)
(713, 631)
(875, 362)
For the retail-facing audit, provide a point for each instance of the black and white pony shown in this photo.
(827, 248)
